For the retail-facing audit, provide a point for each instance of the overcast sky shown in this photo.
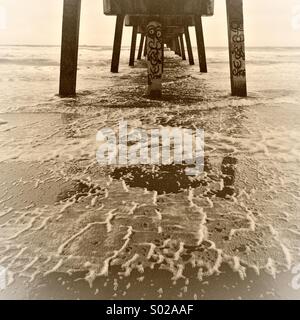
(267, 22)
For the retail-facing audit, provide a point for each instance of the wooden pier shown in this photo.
(160, 24)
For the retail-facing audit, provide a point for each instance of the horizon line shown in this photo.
(110, 45)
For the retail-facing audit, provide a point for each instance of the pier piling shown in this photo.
(145, 47)
(154, 58)
(139, 57)
(177, 47)
(133, 46)
(236, 39)
(200, 44)
(69, 47)
(173, 46)
(182, 47)
(189, 45)
(117, 44)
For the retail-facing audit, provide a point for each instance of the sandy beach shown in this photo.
(72, 228)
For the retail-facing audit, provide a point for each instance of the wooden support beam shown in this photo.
(173, 46)
(117, 44)
(189, 45)
(154, 58)
(163, 54)
(182, 47)
(141, 47)
(177, 46)
(145, 48)
(236, 38)
(133, 46)
(200, 44)
(69, 47)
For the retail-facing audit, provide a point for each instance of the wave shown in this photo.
(29, 62)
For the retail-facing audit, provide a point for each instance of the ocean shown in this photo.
(71, 227)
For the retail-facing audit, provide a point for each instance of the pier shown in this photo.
(161, 24)
(153, 183)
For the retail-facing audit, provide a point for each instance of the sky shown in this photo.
(38, 22)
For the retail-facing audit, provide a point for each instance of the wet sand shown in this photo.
(155, 285)
(70, 228)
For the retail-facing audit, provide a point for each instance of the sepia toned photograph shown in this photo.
(150, 150)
